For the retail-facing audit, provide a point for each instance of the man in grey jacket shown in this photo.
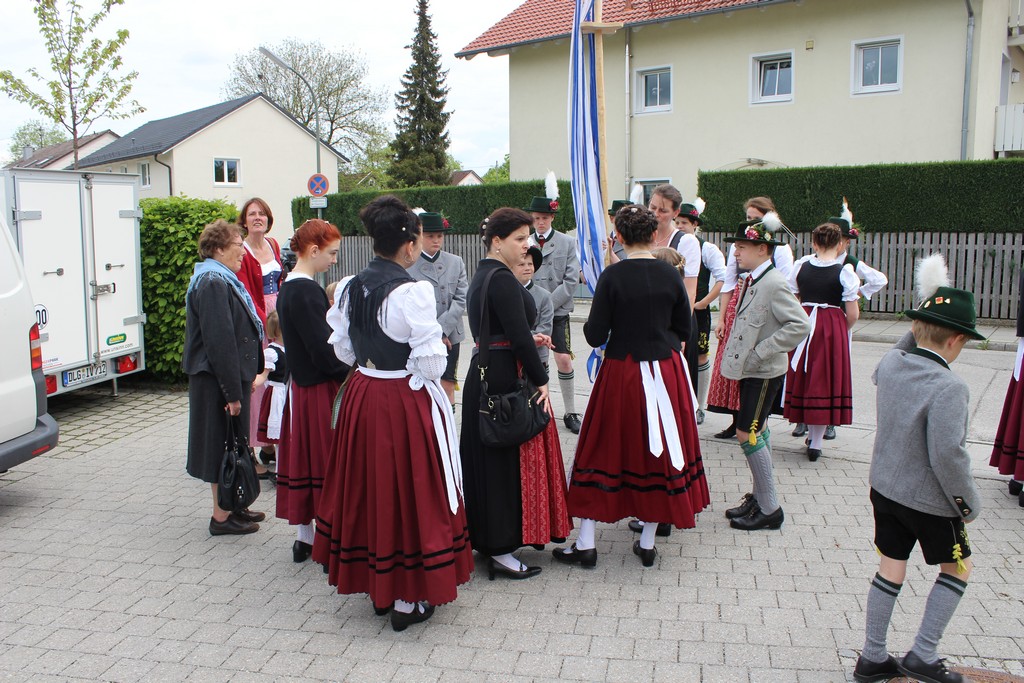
(447, 273)
(922, 490)
(769, 324)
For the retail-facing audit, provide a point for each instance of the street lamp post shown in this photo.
(316, 105)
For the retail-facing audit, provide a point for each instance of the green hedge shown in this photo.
(464, 206)
(961, 196)
(170, 236)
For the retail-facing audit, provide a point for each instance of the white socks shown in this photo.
(816, 433)
(647, 535)
(304, 533)
(509, 561)
(588, 529)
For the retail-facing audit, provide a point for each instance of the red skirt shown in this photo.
(264, 415)
(305, 442)
(822, 394)
(542, 474)
(1008, 449)
(724, 393)
(615, 475)
(383, 524)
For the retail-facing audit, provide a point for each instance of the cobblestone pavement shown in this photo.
(107, 572)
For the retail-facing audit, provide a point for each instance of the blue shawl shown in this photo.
(213, 268)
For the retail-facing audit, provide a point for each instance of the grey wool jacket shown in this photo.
(920, 458)
(448, 277)
(560, 271)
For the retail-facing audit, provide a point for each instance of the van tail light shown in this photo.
(126, 364)
(36, 346)
(51, 384)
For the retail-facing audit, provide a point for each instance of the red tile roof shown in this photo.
(539, 20)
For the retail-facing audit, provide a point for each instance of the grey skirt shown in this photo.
(207, 426)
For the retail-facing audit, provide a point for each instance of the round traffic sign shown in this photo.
(317, 185)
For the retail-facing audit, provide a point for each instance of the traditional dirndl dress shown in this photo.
(1008, 449)
(638, 453)
(724, 393)
(270, 289)
(306, 437)
(272, 406)
(819, 380)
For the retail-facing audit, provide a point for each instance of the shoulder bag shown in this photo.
(238, 485)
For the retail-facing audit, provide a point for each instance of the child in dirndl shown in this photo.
(1008, 449)
(275, 376)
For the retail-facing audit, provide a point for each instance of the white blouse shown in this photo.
(407, 316)
(847, 276)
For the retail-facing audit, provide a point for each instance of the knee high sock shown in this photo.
(703, 382)
(588, 529)
(759, 460)
(767, 436)
(938, 611)
(647, 535)
(567, 384)
(304, 533)
(816, 433)
(881, 601)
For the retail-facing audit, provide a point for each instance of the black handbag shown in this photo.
(238, 485)
(511, 418)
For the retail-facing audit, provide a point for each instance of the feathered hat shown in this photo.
(942, 304)
(845, 222)
(693, 211)
(548, 204)
(636, 196)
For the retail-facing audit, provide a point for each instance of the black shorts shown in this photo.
(453, 363)
(898, 528)
(757, 396)
(703, 331)
(560, 335)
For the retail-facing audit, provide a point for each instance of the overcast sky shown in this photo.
(182, 50)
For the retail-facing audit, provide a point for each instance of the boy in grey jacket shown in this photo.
(769, 324)
(922, 490)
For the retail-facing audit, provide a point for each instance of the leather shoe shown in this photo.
(727, 433)
(866, 671)
(301, 551)
(573, 422)
(757, 519)
(381, 611)
(916, 668)
(800, 429)
(1015, 487)
(663, 529)
(746, 506)
(584, 558)
(496, 568)
(646, 555)
(420, 613)
(699, 416)
(813, 454)
(830, 432)
(248, 515)
(232, 526)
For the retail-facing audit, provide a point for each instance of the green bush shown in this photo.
(464, 206)
(959, 196)
(170, 230)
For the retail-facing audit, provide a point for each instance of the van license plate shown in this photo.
(84, 374)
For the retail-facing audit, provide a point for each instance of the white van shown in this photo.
(26, 429)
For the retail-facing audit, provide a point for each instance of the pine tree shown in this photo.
(421, 143)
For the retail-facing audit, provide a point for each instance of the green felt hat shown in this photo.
(949, 307)
(848, 230)
(434, 222)
(755, 232)
(618, 204)
(542, 205)
(690, 211)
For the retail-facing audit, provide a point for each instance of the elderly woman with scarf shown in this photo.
(221, 358)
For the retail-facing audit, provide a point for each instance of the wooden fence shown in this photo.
(987, 264)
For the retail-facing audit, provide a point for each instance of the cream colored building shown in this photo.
(769, 83)
(247, 147)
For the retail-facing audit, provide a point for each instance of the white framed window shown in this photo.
(654, 90)
(771, 78)
(877, 65)
(144, 173)
(649, 184)
(226, 172)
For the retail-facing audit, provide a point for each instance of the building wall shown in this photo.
(712, 123)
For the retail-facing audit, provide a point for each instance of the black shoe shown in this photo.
(866, 671)
(664, 529)
(646, 556)
(830, 432)
(232, 526)
(420, 613)
(1020, 500)
(248, 515)
(916, 668)
(758, 520)
(573, 422)
(497, 568)
(727, 433)
(1016, 487)
(584, 558)
(301, 551)
(266, 457)
(813, 454)
(800, 429)
(746, 506)
(699, 416)
(381, 611)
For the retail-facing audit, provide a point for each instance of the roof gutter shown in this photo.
(968, 62)
(170, 176)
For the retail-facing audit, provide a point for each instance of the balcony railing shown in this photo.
(1009, 128)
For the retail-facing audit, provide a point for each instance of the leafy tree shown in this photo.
(498, 173)
(351, 110)
(85, 85)
(421, 143)
(369, 169)
(36, 133)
